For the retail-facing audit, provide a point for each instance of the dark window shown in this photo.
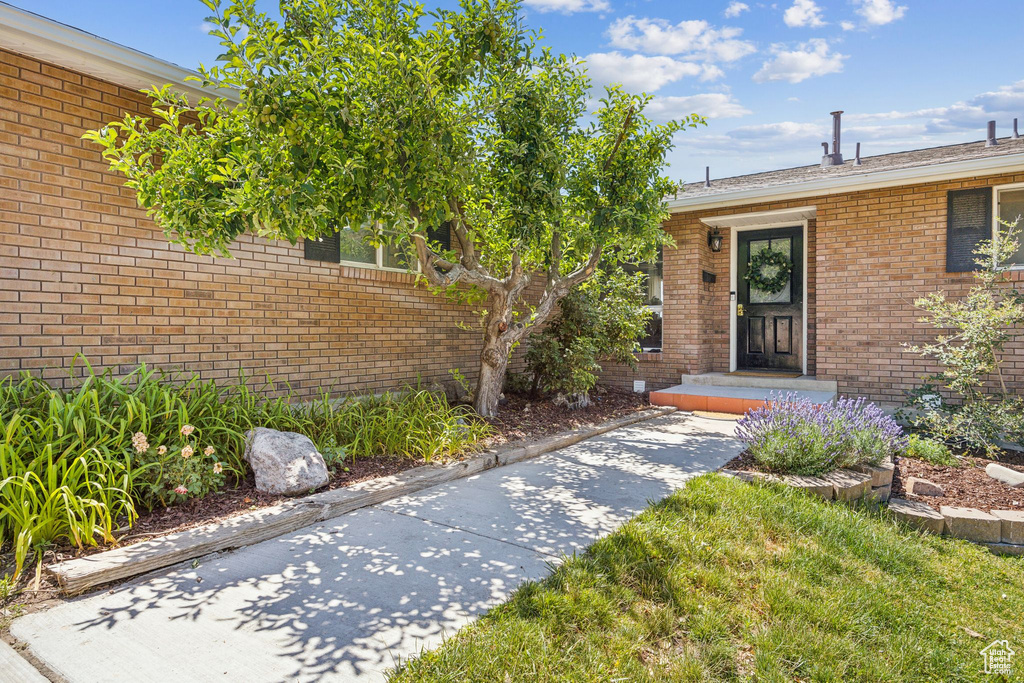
(326, 248)
(442, 235)
(969, 222)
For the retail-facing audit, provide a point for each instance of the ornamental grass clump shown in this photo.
(793, 435)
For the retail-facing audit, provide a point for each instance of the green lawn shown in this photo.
(726, 581)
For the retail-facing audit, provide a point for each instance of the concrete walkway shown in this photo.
(350, 598)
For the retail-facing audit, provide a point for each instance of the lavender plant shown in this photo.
(793, 435)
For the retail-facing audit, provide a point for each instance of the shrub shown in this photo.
(970, 346)
(795, 436)
(930, 450)
(600, 319)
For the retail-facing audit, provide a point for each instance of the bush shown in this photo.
(76, 465)
(794, 436)
(930, 450)
(600, 319)
(970, 346)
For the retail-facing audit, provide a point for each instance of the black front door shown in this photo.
(769, 326)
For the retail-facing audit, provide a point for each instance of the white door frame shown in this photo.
(734, 289)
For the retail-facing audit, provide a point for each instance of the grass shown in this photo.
(69, 471)
(732, 581)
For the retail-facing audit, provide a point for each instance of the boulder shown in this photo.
(284, 462)
(1006, 475)
(923, 487)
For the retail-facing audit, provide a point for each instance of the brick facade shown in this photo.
(82, 270)
(871, 254)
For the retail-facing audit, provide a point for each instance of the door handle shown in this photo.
(739, 310)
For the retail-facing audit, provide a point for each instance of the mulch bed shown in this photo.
(965, 486)
(522, 417)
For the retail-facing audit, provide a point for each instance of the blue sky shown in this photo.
(908, 74)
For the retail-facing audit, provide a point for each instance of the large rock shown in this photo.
(284, 462)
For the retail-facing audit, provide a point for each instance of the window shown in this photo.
(1010, 208)
(655, 298)
(348, 246)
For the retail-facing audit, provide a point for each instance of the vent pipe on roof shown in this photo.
(836, 157)
(991, 141)
(707, 176)
(1016, 135)
(856, 162)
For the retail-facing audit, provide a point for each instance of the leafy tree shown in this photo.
(376, 113)
(600, 318)
(970, 348)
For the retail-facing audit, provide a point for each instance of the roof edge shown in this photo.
(50, 41)
(867, 181)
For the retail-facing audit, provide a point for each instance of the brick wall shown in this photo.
(82, 270)
(871, 254)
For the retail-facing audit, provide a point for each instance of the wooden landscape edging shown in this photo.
(80, 574)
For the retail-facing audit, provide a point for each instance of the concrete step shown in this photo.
(721, 379)
(727, 399)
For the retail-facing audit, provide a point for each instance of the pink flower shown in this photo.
(187, 452)
(181, 490)
(186, 430)
(217, 468)
(209, 451)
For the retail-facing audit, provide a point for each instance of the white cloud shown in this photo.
(880, 12)
(639, 72)
(847, 25)
(694, 38)
(812, 58)
(803, 13)
(713, 105)
(568, 6)
(206, 27)
(735, 9)
(965, 116)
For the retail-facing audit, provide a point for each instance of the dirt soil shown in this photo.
(965, 486)
(524, 418)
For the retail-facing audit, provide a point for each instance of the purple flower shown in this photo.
(793, 434)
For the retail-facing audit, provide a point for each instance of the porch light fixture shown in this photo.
(715, 240)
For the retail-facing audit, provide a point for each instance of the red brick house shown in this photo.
(82, 269)
(866, 237)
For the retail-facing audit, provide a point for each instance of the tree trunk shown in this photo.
(493, 363)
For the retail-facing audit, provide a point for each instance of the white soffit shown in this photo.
(743, 220)
(50, 41)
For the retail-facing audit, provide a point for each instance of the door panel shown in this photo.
(755, 334)
(783, 334)
(770, 332)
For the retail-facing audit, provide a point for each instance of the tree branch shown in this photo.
(618, 140)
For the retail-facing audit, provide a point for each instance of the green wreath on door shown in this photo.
(762, 264)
